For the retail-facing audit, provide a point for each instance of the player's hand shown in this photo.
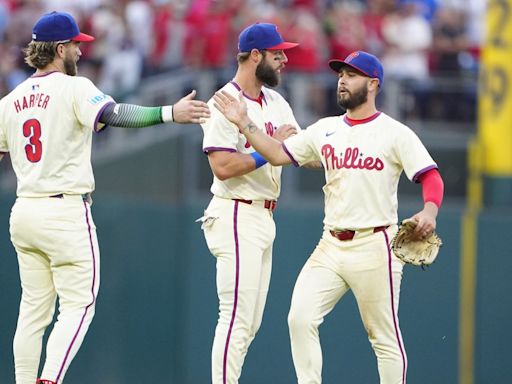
(426, 220)
(188, 110)
(284, 131)
(234, 110)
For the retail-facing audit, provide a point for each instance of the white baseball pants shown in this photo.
(365, 265)
(240, 236)
(58, 256)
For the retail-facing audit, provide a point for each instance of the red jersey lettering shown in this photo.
(352, 159)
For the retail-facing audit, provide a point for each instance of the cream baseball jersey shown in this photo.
(268, 113)
(362, 164)
(46, 125)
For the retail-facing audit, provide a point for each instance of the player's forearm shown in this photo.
(135, 116)
(226, 165)
(431, 208)
(268, 147)
(239, 168)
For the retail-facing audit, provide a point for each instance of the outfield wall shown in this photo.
(157, 305)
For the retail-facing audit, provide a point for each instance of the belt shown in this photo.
(349, 234)
(85, 196)
(268, 204)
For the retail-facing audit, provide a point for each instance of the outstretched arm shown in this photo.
(236, 112)
(186, 110)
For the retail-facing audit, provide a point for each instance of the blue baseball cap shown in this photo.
(363, 62)
(262, 36)
(58, 26)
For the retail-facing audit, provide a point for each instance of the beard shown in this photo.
(266, 74)
(70, 66)
(353, 100)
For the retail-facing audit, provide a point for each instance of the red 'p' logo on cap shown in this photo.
(351, 57)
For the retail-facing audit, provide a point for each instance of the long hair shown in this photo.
(38, 54)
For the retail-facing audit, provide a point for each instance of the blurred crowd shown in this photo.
(416, 39)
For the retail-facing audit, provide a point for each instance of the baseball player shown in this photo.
(363, 153)
(238, 224)
(46, 125)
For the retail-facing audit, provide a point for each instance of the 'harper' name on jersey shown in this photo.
(39, 100)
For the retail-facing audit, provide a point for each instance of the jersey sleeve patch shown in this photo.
(97, 99)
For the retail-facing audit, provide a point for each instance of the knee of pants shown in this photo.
(386, 345)
(77, 309)
(32, 324)
(301, 320)
(255, 328)
(24, 346)
(36, 318)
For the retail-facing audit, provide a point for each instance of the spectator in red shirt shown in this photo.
(346, 30)
(208, 33)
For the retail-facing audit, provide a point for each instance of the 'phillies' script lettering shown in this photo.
(269, 127)
(352, 159)
(39, 100)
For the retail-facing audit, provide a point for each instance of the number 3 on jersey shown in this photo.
(32, 130)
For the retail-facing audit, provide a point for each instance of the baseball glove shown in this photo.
(421, 252)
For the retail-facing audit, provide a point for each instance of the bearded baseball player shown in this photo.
(46, 125)
(238, 224)
(363, 153)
